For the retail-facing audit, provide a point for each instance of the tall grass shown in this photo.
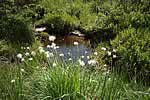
(52, 78)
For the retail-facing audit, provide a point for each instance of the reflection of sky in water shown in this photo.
(75, 52)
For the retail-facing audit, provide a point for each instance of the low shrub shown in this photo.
(16, 30)
(60, 23)
(133, 48)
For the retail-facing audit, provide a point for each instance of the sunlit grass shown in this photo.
(46, 75)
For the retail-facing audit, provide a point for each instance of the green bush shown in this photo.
(16, 30)
(134, 52)
(60, 23)
(6, 49)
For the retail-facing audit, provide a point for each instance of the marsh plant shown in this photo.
(45, 75)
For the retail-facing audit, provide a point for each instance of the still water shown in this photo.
(67, 47)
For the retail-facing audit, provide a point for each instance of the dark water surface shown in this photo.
(67, 47)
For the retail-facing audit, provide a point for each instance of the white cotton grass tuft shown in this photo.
(95, 53)
(52, 38)
(82, 57)
(105, 65)
(40, 48)
(40, 29)
(103, 48)
(75, 43)
(27, 54)
(33, 53)
(61, 55)
(28, 48)
(44, 68)
(70, 59)
(47, 53)
(86, 52)
(56, 47)
(69, 53)
(82, 63)
(22, 47)
(114, 56)
(53, 45)
(109, 53)
(22, 70)
(51, 54)
(88, 57)
(54, 65)
(19, 56)
(13, 81)
(114, 50)
(30, 59)
(22, 59)
(48, 46)
(92, 62)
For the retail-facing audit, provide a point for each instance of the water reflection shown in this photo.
(67, 47)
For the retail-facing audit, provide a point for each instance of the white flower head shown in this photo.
(109, 79)
(48, 46)
(28, 48)
(109, 53)
(51, 54)
(86, 52)
(70, 59)
(103, 48)
(30, 59)
(95, 53)
(22, 59)
(22, 47)
(53, 45)
(105, 65)
(52, 38)
(54, 64)
(40, 29)
(114, 50)
(27, 54)
(41, 50)
(56, 47)
(47, 55)
(19, 55)
(75, 43)
(37, 67)
(13, 81)
(88, 57)
(69, 53)
(92, 62)
(114, 56)
(47, 52)
(22, 70)
(33, 53)
(82, 63)
(44, 68)
(61, 55)
(82, 57)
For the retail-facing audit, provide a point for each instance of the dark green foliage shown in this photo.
(101, 21)
(59, 23)
(134, 51)
(16, 30)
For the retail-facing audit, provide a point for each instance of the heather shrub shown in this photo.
(134, 53)
(16, 30)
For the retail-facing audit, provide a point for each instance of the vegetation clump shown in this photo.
(31, 67)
